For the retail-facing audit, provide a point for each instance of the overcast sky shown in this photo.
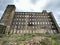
(33, 6)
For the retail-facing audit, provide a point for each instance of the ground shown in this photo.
(30, 39)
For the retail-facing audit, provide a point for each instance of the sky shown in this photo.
(33, 6)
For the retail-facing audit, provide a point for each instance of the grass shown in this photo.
(20, 39)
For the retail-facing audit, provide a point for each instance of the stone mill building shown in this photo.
(29, 22)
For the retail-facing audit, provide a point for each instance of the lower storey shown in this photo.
(32, 31)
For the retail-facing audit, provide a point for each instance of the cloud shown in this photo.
(28, 4)
(34, 1)
(1, 13)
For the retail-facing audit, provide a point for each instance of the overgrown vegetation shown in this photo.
(27, 39)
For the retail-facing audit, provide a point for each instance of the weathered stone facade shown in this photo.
(29, 22)
(2, 28)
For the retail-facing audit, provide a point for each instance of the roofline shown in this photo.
(54, 21)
